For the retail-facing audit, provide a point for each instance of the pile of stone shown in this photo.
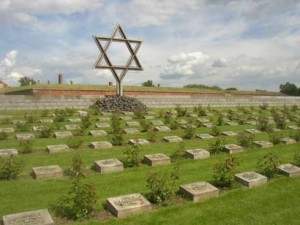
(119, 104)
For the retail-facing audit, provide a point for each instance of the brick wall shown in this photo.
(19, 102)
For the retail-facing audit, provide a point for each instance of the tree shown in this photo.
(148, 83)
(25, 81)
(289, 89)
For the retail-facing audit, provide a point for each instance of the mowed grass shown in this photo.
(274, 203)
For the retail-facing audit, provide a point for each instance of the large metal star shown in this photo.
(103, 61)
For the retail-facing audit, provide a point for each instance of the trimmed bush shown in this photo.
(10, 168)
(132, 156)
(268, 165)
(26, 146)
(217, 147)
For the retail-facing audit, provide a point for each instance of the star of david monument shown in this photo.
(104, 62)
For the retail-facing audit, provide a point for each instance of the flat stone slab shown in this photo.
(82, 113)
(197, 153)
(157, 159)
(229, 133)
(250, 179)
(126, 205)
(38, 217)
(98, 133)
(157, 122)
(293, 127)
(148, 117)
(288, 141)
(4, 152)
(100, 144)
(263, 144)
(209, 125)
(125, 118)
(46, 121)
(128, 113)
(108, 166)
(230, 123)
(37, 128)
(7, 130)
(188, 125)
(193, 115)
(138, 141)
(252, 131)
(63, 134)
(24, 136)
(204, 136)
(131, 131)
(74, 120)
(102, 125)
(106, 113)
(182, 121)
(162, 128)
(72, 127)
(172, 139)
(47, 172)
(289, 170)
(133, 124)
(18, 122)
(57, 148)
(199, 191)
(233, 148)
(103, 119)
(203, 120)
(251, 123)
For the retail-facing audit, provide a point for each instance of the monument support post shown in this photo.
(119, 88)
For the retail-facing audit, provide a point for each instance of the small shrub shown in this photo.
(297, 159)
(220, 120)
(45, 113)
(59, 118)
(146, 125)
(167, 118)
(174, 125)
(139, 114)
(76, 170)
(217, 147)
(245, 140)
(30, 118)
(178, 154)
(46, 132)
(21, 126)
(200, 110)
(75, 143)
(152, 136)
(85, 122)
(296, 136)
(263, 124)
(215, 131)
(117, 133)
(294, 108)
(69, 111)
(264, 106)
(132, 156)
(268, 165)
(10, 168)
(189, 131)
(280, 121)
(117, 138)
(275, 138)
(3, 136)
(181, 112)
(223, 172)
(25, 146)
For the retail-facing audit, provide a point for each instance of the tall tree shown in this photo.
(289, 89)
(25, 81)
(148, 83)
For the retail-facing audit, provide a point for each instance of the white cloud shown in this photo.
(10, 59)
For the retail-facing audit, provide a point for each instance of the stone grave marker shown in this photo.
(251, 122)
(157, 122)
(172, 139)
(106, 113)
(289, 170)
(288, 141)
(128, 113)
(193, 115)
(263, 144)
(126, 205)
(208, 125)
(5, 117)
(74, 120)
(252, 131)
(7, 130)
(102, 125)
(233, 148)
(24, 136)
(138, 141)
(103, 119)
(100, 144)
(98, 133)
(57, 148)
(188, 125)
(148, 117)
(157, 159)
(250, 179)
(47, 172)
(46, 121)
(197, 153)
(203, 120)
(293, 127)
(125, 118)
(204, 136)
(82, 113)
(18, 122)
(162, 128)
(108, 166)
(182, 121)
(133, 124)
(131, 131)
(5, 152)
(229, 133)
(230, 123)
(37, 128)
(37, 217)
(199, 191)
(63, 134)
(72, 127)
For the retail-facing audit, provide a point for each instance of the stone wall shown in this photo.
(18, 102)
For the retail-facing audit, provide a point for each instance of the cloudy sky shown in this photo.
(248, 44)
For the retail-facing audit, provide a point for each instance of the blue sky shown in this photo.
(248, 44)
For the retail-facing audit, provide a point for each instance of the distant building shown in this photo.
(2, 84)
